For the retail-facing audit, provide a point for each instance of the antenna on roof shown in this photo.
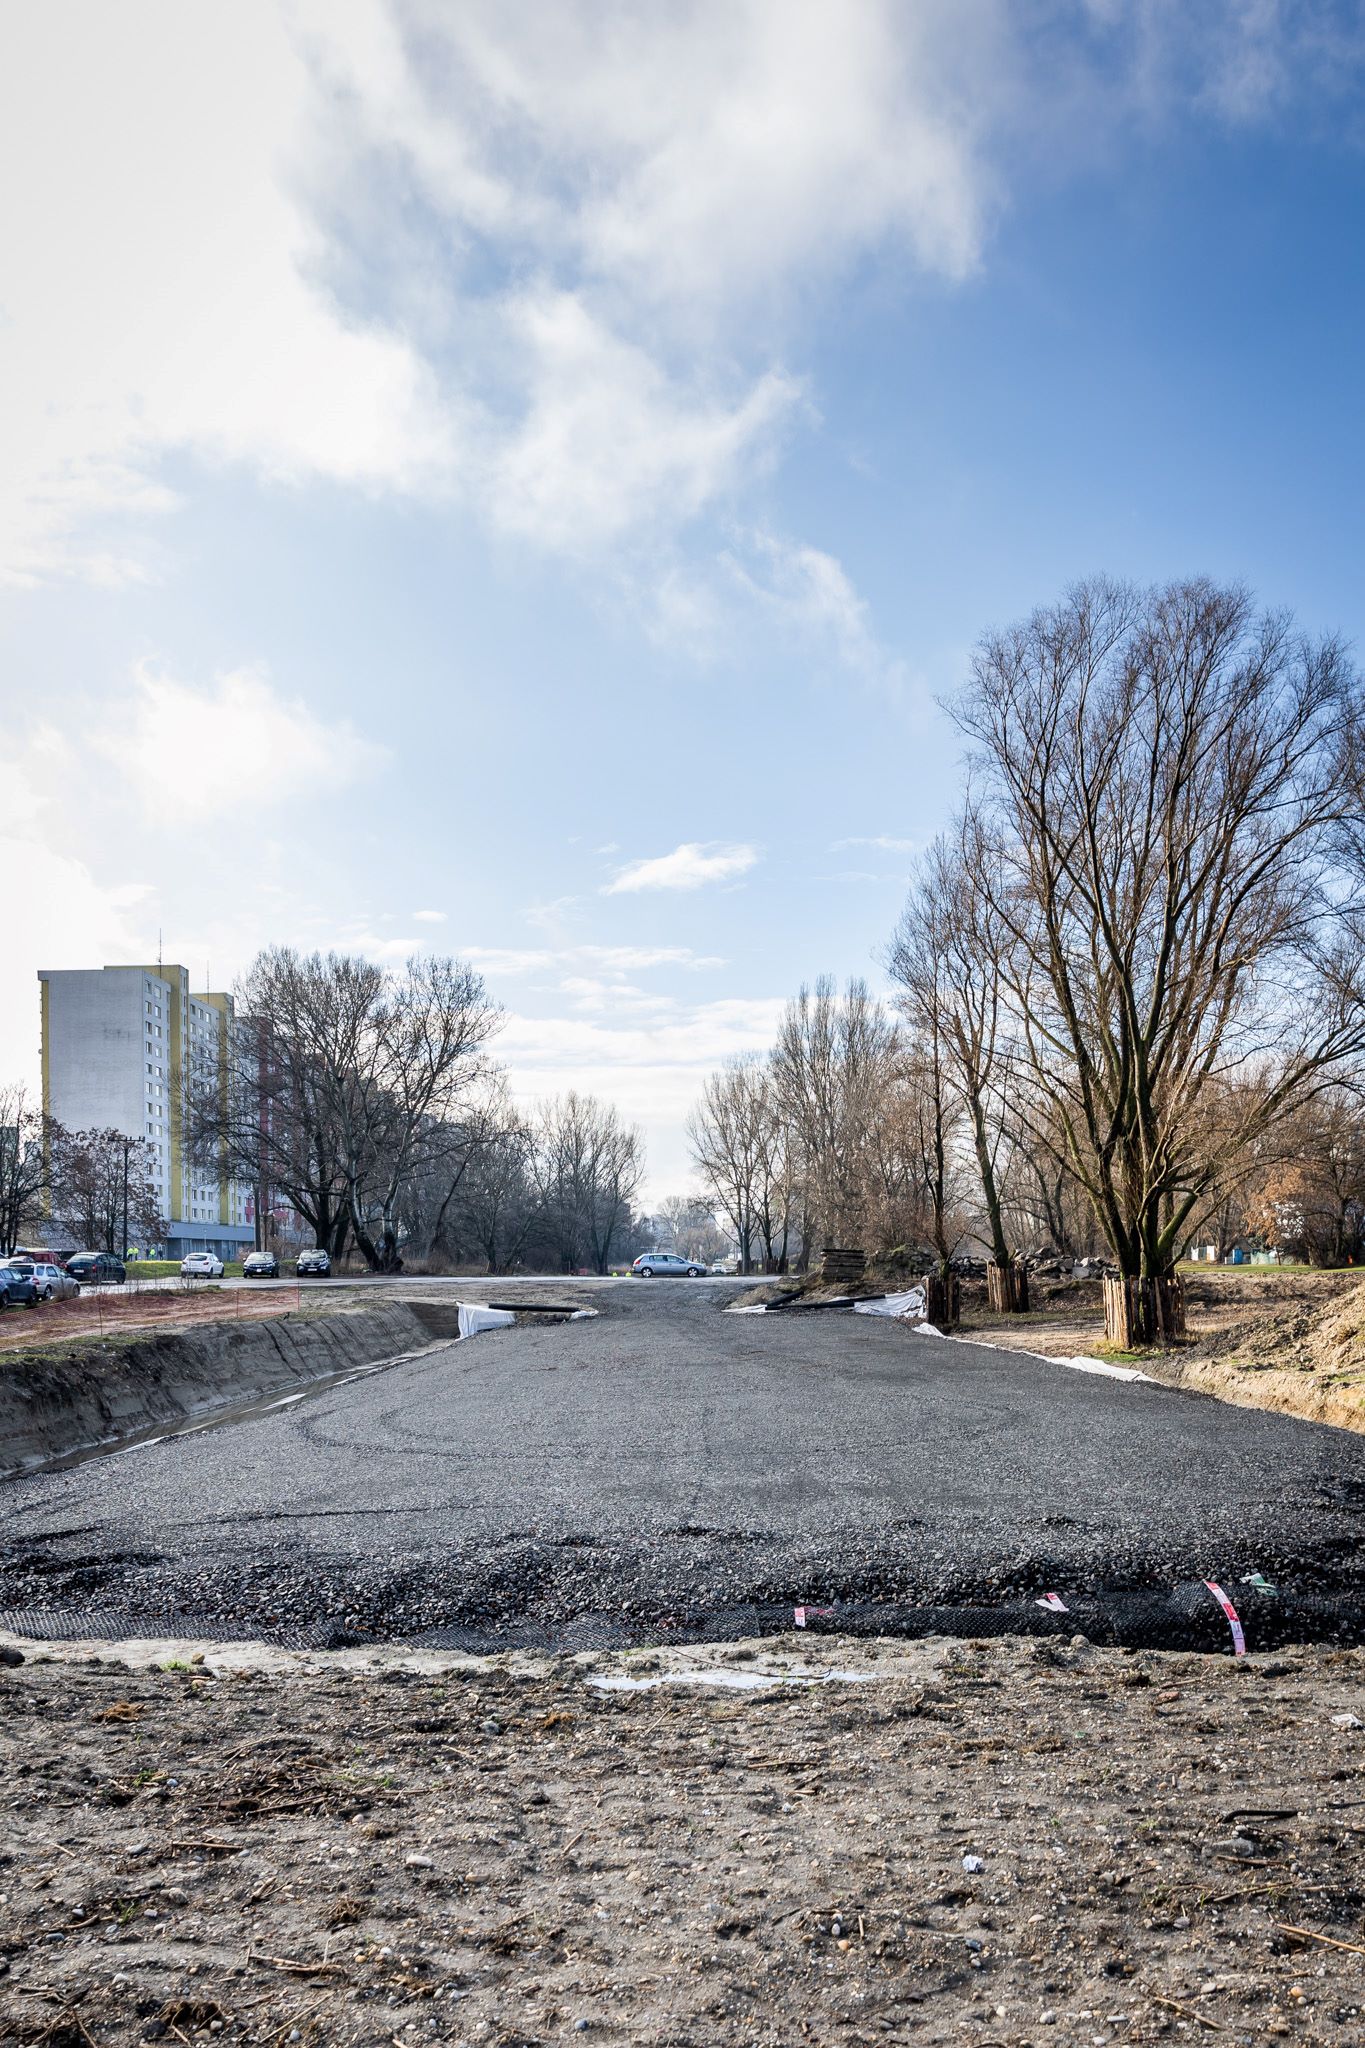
(158, 946)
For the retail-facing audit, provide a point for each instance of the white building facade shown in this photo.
(119, 1047)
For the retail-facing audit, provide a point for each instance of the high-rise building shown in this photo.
(121, 1046)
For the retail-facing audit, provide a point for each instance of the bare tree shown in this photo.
(1311, 1200)
(834, 1060)
(24, 1151)
(945, 961)
(345, 1085)
(730, 1143)
(103, 1188)
(696, 1234)
(587, 1166)
(1167, 782)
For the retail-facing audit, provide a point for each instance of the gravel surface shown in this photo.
(1007, 1844)
(669, 1469)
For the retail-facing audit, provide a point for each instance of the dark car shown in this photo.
(18, 1289)
(260, 1266)
(97, 1269)
(313, 1265)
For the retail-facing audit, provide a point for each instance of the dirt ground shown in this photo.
(1000, 1843)
(1293, 1341)
(103, 1313)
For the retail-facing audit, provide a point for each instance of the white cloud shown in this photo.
(617, 961)
(546, 260)
(159, 292)
(881, 843)
(236, 745)
(652, 1069)
(428, 917)
(608, 444)
(810, 594)
(689, 866)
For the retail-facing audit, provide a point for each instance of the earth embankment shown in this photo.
(68, 1399)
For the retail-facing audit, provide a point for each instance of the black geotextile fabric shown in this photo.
(1185, 1617)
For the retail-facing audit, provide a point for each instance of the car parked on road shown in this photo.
(17, 1288)
(666, 1264)
(260, 1266)
(201, 1266)
(97, 1269)
(314, 1265)
(52, 1281)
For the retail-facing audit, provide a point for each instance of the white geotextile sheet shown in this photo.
(910, 1304)
(473, 1318)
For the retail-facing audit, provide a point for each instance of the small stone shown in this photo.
(1048, 2018)
(581, 2026)
(1347, 1721)
(10, 1657)
(416, 1862)
(490, 1726)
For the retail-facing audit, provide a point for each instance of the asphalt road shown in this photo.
(667, 1468)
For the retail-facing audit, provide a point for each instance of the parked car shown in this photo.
(52, 1281)
(17, 1288)
(260, 1266)
(665, 1264)
(201, 1266)
(97, 1269)
(314, 1265)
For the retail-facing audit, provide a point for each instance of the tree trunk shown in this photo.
(942, 1299)
(1141, 1312)
(1007, 1288)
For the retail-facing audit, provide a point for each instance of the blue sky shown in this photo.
(516, 479)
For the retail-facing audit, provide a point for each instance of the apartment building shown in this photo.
(118, 1046)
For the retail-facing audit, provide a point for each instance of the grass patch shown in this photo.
(169, 1269)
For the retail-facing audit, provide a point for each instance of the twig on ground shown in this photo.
(1191, 2012)
(1352, 1948)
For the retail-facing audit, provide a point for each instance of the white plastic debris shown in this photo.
(973, 1865)
(908, 1306)
(473, 1318)
(1347, 1721)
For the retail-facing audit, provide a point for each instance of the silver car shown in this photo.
(666, 1264)
(52, 1282)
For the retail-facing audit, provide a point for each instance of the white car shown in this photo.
(201, 1266)
(666, 1263)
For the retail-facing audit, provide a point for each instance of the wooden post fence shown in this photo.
(1007, 1289)
(1138, 1312)
(942, 1299)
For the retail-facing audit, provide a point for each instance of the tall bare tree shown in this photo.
(344, 1085)
(944, 958)
(834, 1060)
(732, 1134)
(24, 1156)
(103, 1188)
(1167, 783)
(587, 1165)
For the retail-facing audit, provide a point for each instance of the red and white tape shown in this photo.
(1239, 1641)
(800, 1613)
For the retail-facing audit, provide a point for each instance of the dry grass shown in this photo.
(135, 1308)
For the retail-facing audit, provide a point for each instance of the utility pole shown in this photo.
(127, 1144)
